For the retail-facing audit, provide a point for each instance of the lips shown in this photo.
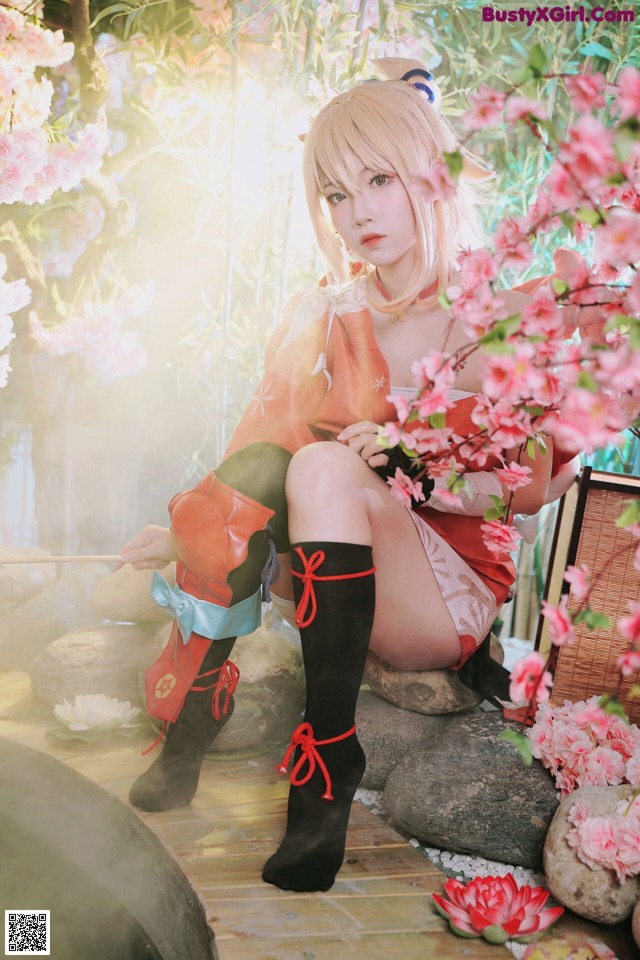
(369, 239)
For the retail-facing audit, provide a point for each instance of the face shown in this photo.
(375, 220)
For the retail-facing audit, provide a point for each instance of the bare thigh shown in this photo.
(333, 495)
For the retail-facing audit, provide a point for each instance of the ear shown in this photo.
(394, 68)
(474, 171)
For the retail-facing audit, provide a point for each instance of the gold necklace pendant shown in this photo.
(397, 318)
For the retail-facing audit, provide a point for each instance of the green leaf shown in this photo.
(630, 515)
(454, 162)
(494, 513)
(537, 60)
(569, 223)
(595, 620)
(595, 49)
(437, 421)
(587, 382)
(560, 286)
(613, 706)
(590, 216)
(521, 742)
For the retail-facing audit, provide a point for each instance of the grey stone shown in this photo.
(59, 606)
(635, 923)
(125, 596)
(270, 695)
(594, 894)
(387, 733)
(425, 691)
(101, 659)
(467, 790)
(19, 581)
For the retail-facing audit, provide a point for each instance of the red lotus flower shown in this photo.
(497, 909)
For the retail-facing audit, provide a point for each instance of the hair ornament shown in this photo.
(419, 72)
(412, 73)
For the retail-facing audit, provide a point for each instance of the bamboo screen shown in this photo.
(587, 668)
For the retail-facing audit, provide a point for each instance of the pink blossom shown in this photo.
(486, 108)
(477, 268)
(562, 188)
(618, 240)
(597, 841)
(404, 489)
(434, 367)
(633, 769)
(478, 310)
(542, 317)
(529, 677)
(586, 91)
(508, 426)
(560, 622)
(512, 243)
(592, 715)
(628, 662)
(579, 578)
(512, 376)
(632, 302)
(402, 407)
(514, 476)
(589, 152)
(586, 420)
(604, 766)
(436, 183)
(628, 96)
(500, 537)
(520, 107)
(629, 627)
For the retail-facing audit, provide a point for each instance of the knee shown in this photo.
(320, 470)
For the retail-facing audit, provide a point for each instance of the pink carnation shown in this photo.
(514, 476)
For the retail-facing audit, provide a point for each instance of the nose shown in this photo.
(360, 210)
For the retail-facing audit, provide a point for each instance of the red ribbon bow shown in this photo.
(227, 679)
(308, 576)
(303, 737)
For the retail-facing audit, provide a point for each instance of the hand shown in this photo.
(151, 549)
(362, 439)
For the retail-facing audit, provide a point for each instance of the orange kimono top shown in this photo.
(324, 371)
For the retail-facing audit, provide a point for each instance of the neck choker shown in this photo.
(423, 295)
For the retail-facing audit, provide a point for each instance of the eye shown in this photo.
(335, 198)
(380, 180)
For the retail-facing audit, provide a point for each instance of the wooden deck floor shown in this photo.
(379, 907)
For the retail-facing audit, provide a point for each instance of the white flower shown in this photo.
(96, 712)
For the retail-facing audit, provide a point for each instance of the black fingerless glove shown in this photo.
(398, 458)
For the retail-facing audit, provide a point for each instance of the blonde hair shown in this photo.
(389, 123)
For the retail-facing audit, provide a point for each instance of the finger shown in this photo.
(363, 426)
(361, 444)
(378, 460)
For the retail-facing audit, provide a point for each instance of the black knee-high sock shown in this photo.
(334, 645)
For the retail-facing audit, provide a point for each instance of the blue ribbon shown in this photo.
(207, 619)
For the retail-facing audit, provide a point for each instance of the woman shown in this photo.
(301, 479)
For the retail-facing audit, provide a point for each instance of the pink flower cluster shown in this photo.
(583, 745)
(610, 843)
(93, 330)
(32, 167)
(14, 295)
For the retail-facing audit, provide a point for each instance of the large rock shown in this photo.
(60, 606)
(635, 923)
(19, 581)
(594, 894)
(388, 733)
(125, 596)
(270, 695)
(469, 791)
(102, 659)
(425, 691)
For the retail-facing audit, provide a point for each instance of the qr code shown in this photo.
(27, 933)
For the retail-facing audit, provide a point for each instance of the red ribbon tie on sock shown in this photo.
(308, 576)
(227, 679)
(303, 737)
